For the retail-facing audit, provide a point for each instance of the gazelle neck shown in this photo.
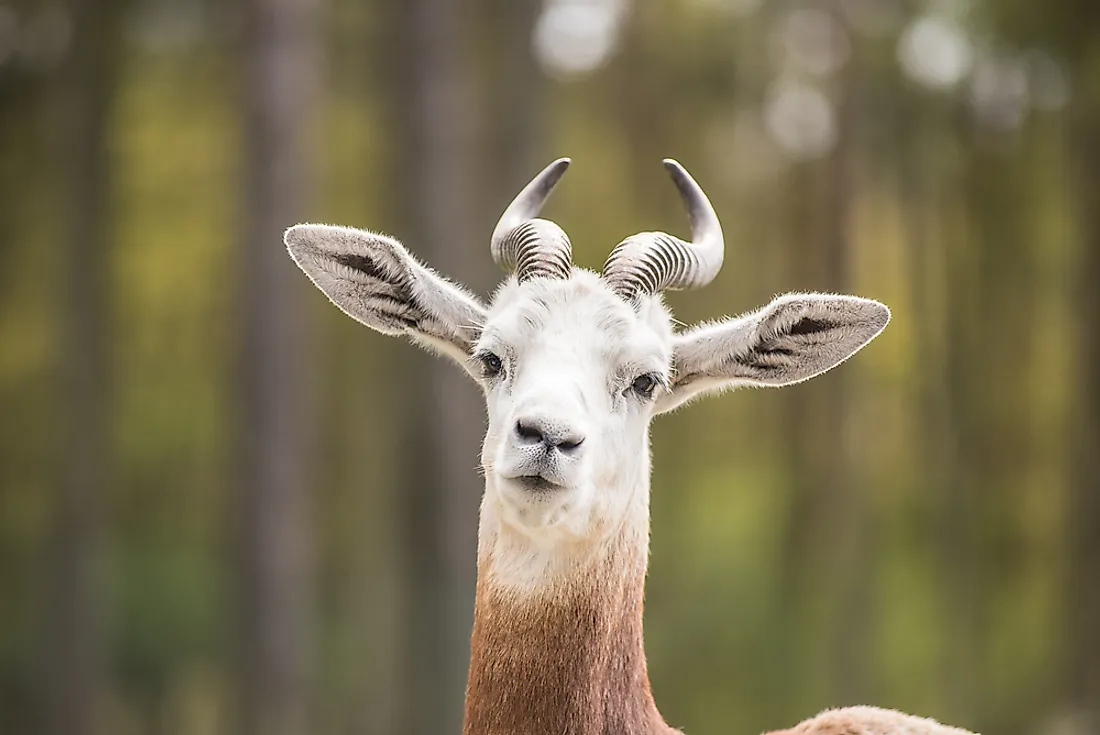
(563, 656)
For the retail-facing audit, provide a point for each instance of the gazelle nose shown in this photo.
(552, 433)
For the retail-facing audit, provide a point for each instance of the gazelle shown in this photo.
(574, 366)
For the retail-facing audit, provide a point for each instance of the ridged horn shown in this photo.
(651, 262)
(533, 247)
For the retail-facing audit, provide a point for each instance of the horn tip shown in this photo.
(687, 186)
(678, 173)
(551, 174)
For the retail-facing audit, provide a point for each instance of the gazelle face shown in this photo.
(572, 375)
(574, 365)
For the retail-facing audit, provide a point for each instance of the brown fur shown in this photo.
(869, 721)
(568, 659)
(563, 661)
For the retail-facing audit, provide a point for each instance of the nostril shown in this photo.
(528, 432)
(548, 432)
(568, 445)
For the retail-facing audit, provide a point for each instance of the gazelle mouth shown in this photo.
(535, 483)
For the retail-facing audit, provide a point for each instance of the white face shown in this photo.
(571, 375)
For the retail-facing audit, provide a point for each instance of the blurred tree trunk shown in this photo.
(825, 573)
(936, 455)
(1082, 634)
(74, 625)
(437, 499)
(804, 423)
(280, 54)
(515, 121)
(959, 514)
(957, 505)
(996, 307)
(849, 537)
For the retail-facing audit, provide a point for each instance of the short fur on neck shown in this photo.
(566, 657)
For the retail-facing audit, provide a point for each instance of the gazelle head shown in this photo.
(573, 364)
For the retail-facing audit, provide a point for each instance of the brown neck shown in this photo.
(564, 660)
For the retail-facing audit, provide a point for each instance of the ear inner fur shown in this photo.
(373, 279)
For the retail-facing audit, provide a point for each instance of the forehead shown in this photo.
(580, 309)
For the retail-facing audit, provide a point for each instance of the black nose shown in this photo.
(553, 434)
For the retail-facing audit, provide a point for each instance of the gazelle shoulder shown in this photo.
(869, 721)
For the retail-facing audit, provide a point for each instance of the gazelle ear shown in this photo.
(792, 339)
(374, 280)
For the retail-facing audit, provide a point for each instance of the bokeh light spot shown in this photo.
(575, 37)
(813, 41)
(935, 52)
(800, 119)
(9, 32)
(1048, 83)
(999, 92)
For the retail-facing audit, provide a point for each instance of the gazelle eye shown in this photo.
(491, 364)
(643, 385)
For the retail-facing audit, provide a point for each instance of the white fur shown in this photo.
(581, 376)
(571, 350)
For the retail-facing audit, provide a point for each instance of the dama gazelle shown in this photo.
(574, 366)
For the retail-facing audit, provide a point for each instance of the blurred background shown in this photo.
(227, 508)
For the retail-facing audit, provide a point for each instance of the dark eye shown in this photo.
(491, 364)
(643, 385)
